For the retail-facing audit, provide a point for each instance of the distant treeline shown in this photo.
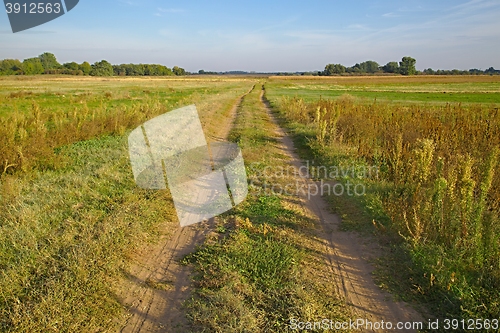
(405, 67)
(47, 63)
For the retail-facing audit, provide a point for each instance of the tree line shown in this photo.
(47, 63)
(405, 67)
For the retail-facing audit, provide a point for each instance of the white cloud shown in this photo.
(390, 15)
(129, 2)
(170, 10)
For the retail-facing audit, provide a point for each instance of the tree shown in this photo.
(370, 66)
(120, 70)
(164, 71)
(492, 71)
(49, 61)
(86, 68)
(138, 69)
(72, 66)
(355, 69)
(178, 71)
(391, 67)
(332, 69)
(102, 68)
(407, 66)
(10, 67)
(32, 66)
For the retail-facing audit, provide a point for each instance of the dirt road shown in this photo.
(348, 255)
(158, 284)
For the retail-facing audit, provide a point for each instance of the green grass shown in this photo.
(53, 94)
(368, 90)
(33, 124)
(71, 214)
(267, 266)
(64, 236)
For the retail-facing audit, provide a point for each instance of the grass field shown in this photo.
(70, 213)
(37, 115)
(429, 89)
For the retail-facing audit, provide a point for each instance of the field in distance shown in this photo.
(403, 89)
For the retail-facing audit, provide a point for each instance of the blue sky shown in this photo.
(267, 35)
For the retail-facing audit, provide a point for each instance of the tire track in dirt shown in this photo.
(347, 254)
(158, 284)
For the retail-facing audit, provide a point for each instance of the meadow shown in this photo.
(411, 89)
(71, 215)
(436, 198)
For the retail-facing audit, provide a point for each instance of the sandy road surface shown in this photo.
(348, 256)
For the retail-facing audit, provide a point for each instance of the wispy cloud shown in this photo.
(130, 2)
(170, 10)
(475, 5)
(390, 15)
(165, 11)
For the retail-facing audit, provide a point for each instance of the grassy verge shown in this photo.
(433, 201)
(264, 267)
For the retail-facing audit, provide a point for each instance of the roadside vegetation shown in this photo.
(435, 200)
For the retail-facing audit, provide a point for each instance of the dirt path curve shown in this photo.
(158, 285)
(348, 256)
